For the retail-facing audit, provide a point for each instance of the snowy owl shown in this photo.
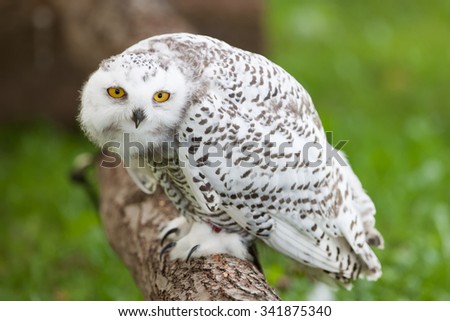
(238, 147)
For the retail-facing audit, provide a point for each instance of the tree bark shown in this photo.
(132, 222)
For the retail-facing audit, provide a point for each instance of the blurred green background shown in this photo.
(379, 75)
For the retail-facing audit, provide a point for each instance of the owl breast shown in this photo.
(174, 182)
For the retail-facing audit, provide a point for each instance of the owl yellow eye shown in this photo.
(116, 92)
(161, 96)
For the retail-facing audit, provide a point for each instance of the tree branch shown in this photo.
(132, 221)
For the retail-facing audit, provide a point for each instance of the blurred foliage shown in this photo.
(52, 246)
(378, 75)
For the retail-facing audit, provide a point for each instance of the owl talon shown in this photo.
(168, 233)
(167, 247)
(193, 249)
(225, 207)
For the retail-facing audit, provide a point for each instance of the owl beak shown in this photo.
(138, 116)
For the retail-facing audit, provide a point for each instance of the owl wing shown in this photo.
(142, 175)
(306, 212)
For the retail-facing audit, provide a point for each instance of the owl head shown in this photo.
(141, 93)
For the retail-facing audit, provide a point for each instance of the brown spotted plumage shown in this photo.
(239, 149)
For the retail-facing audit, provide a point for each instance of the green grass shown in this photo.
(378, 73)
(52, 246)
